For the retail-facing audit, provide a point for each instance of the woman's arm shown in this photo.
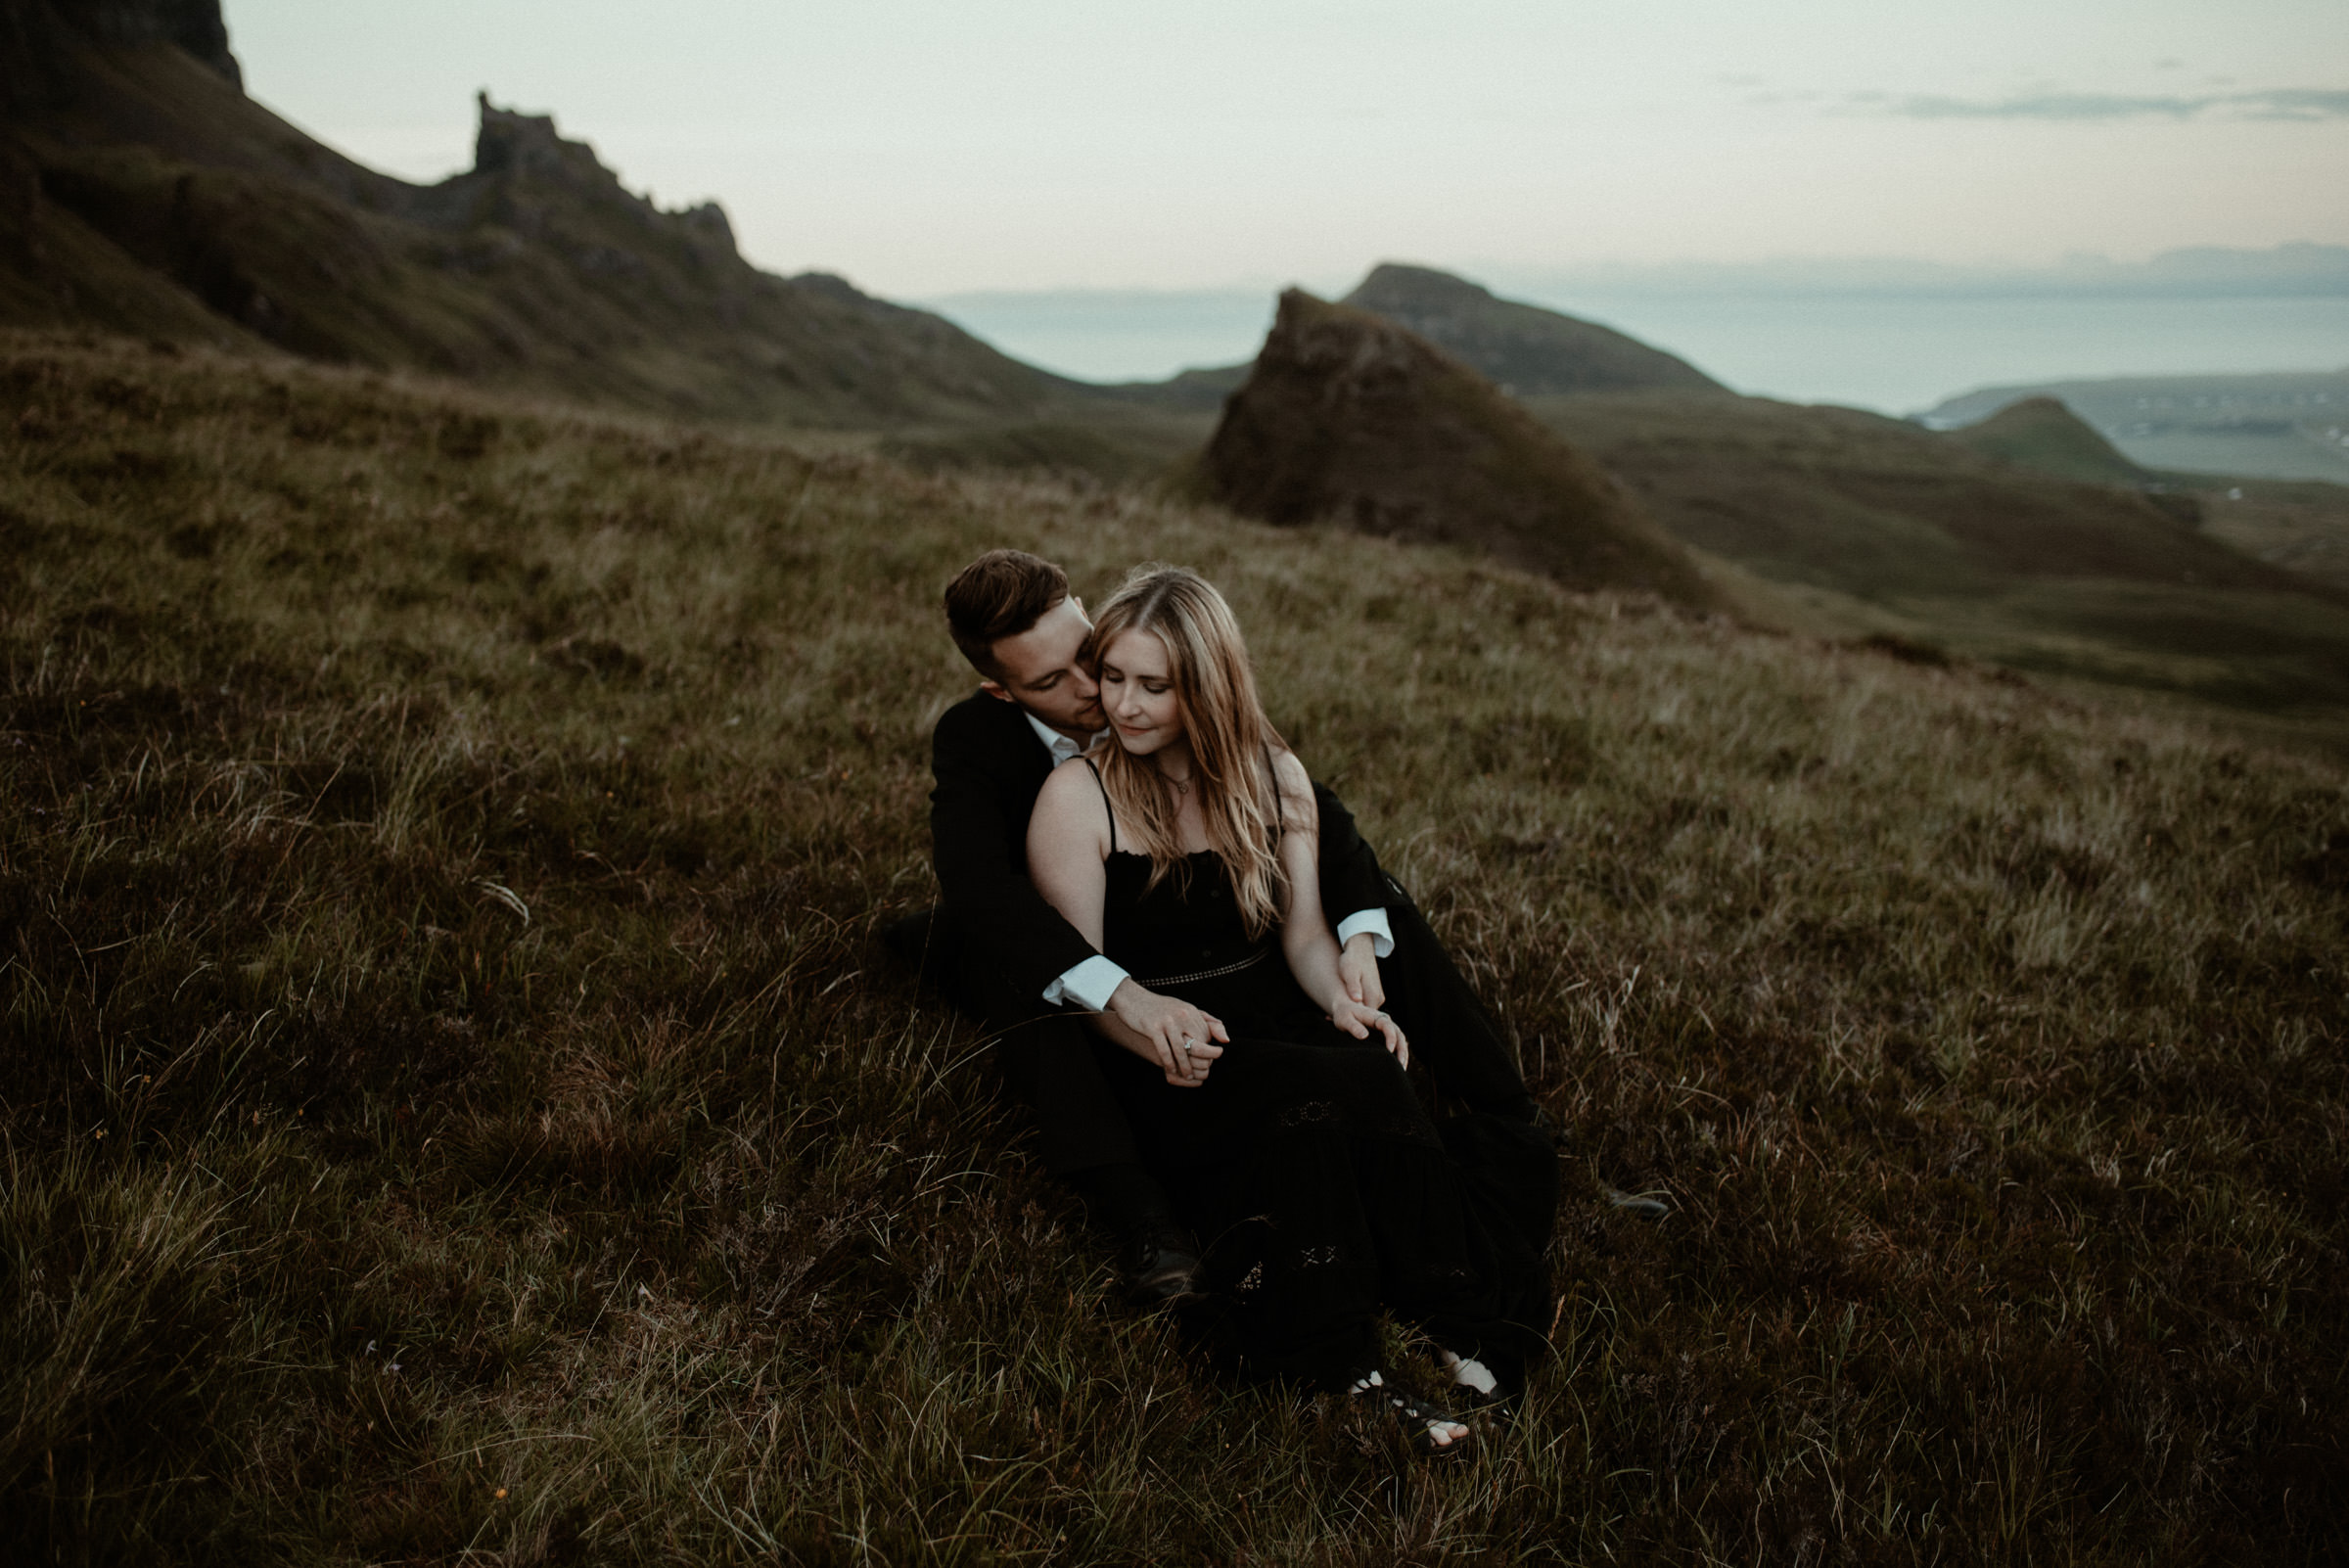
(1067, 848)
(1306, 940)
(1068, 855)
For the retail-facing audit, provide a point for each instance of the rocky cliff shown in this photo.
(195, 26)
(43, 43)
(1351, 418)
(146, 193)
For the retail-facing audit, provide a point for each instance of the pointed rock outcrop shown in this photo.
(1351, 418)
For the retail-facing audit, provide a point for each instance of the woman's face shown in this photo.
(1137, 692)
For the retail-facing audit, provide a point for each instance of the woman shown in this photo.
(1184, 849)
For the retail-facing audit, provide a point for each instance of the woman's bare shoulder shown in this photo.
(1066, 835)
(1068, 782)
(1065, 769)
(1296, 788)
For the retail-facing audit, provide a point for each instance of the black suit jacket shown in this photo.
(990, 767)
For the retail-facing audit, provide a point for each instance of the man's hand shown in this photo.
(1358, 1021)
(1184, 1041)
(1358, 970)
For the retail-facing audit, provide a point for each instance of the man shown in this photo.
(1008, 959)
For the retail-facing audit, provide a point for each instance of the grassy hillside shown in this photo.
(1875, 523)
(2300, 525)
(456, 1110)
(2283, 426)
(1133, 447)
(2041, 433)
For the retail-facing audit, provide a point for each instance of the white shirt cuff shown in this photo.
(1374, 921)
(1091, 984)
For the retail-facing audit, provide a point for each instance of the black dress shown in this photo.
(1311, 1172)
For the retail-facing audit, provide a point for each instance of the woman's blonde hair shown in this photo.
(1231, 740)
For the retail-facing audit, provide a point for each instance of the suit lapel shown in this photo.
(1020, 761)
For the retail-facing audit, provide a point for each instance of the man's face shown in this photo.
(1042, 674)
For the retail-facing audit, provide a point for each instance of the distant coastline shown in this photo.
(1897, 336)
(1895, 355)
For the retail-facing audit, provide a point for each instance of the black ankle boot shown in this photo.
(1158, 1259)
(1161, 1268)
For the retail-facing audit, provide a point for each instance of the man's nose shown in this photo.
(1087, 688)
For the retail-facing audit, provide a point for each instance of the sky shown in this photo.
(930, 148)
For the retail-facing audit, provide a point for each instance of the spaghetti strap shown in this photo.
(1106, 809)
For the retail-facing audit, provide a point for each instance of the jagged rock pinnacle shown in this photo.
(510, 141)
(513, 145)
(195, 25)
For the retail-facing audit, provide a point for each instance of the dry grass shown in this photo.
(456, 1112)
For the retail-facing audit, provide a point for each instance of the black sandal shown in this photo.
(1420, 1417)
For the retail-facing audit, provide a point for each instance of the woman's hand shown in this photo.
(1189, 1066)
(1177, 1037)
(1358, 1021)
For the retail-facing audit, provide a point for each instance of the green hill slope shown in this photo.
(455, 1106)
(1892, 527)
(2283, 426)
(2041, 435)
(1529, 352)
(2302, 526)
(154, 198)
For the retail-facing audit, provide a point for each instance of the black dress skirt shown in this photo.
(1314, 1176)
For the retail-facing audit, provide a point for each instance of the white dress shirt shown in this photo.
(1093, 981)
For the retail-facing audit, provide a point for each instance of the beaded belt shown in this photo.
(1249, 962)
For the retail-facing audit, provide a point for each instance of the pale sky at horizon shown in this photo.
(920, 148)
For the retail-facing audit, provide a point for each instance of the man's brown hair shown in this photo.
(1000, 595)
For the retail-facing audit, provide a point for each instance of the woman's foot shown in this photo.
(1476, 1384)
(1469, 1375)
(1432, 1428)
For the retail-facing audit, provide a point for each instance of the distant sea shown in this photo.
(1895, 354)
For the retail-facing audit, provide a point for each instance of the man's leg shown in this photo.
(1082, 1135)
(1453, 1035)
(1047, 1059)
(1448, 1028)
